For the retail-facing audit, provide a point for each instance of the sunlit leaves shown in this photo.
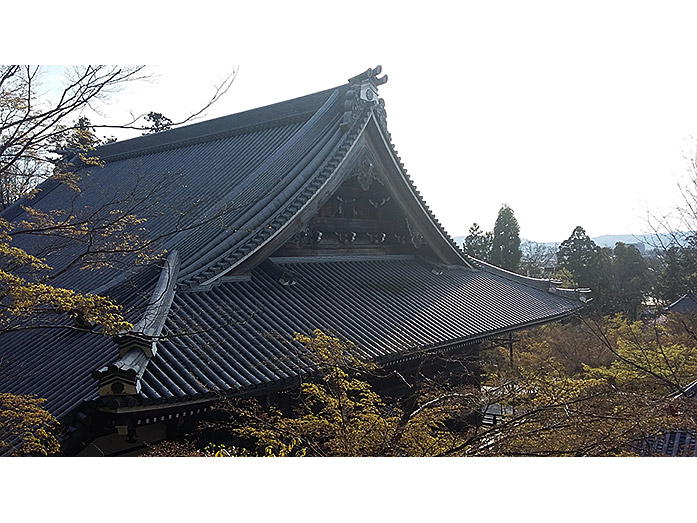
(598, 389)
(27, 428)
(342, 415)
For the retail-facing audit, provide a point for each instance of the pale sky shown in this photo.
(576, 114)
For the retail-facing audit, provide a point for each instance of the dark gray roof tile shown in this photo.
(216, 192)
(387, 306)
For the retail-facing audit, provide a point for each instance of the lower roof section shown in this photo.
(238, 335)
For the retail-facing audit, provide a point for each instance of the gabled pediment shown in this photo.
(361, 216)
(365, 205)
(343, 151)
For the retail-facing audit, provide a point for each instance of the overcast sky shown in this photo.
(571, 115)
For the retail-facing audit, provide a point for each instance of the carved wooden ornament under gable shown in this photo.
(361, 216)
(365, 173)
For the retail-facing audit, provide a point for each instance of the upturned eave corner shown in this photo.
(581, 294)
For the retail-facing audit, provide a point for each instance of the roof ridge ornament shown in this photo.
(139, 345)
(362, 93)
(369, 82)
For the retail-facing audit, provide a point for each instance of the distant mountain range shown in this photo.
(609, 240)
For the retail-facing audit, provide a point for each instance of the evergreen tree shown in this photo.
(678, 272)
(158, 123)
(478, 243)
(505, 244)
(619, 277)
(580, 256)
(631, 280)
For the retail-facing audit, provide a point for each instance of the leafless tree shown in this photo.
(33, 126)
(538, 259)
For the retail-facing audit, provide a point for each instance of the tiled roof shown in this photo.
(389, 307)
(216, 193)
(686, 304)
(678, 443)
(56, 363)
(221, 184)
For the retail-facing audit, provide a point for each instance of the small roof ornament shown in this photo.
(369, 82)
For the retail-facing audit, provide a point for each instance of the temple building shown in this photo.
(287, 218)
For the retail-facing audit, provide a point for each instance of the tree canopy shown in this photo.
(579, 255)
(505, 243)
(478, 243)
(576, 389)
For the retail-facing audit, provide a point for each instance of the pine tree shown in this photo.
(478, 243)
(505, 245)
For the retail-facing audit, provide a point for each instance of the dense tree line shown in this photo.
(623, 280)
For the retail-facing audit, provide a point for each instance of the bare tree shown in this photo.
(33, 126)
(538, 260)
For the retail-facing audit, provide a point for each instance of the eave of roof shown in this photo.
(686, 303)
(391, 308)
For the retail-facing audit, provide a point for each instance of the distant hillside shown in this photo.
(649, 240)
(608, 240)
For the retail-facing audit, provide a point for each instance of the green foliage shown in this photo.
(678, 271)
(27, 427)
(579, 388)
(478, 243)
(157, 122)
(580, 256)
(505, 243)
(620, 278)
(591, 388)
(341, 415)
(25, 280)
(565, 278)
(631, 281)
(658, 357)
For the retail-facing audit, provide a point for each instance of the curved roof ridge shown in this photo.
(381, 119)
(292, 152)
(299, 197)
(208, 130)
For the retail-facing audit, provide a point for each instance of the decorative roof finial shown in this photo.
(362, 97)
(369, 82)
